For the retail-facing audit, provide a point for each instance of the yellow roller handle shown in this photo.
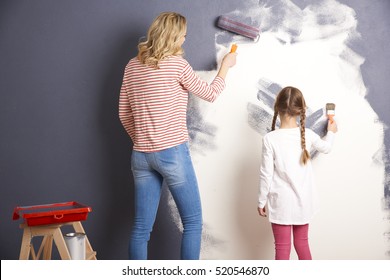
(234, 48)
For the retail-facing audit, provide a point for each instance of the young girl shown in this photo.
(286, 175)
(152, 108)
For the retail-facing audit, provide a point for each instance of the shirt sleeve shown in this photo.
(266, 172)
(125, 112)
(194, 84)
(323, 145)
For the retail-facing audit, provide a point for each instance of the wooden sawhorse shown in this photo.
(50, 233)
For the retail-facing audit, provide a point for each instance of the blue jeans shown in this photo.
(174, 167)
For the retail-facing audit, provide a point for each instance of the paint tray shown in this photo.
(52, 213)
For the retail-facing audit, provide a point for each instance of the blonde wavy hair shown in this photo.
(162, 38)
(290, 101)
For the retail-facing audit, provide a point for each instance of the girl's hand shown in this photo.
(262, 211)
(332, 126)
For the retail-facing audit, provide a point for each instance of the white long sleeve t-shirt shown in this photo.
(286, 185)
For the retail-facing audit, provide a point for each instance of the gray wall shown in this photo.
(60, 74)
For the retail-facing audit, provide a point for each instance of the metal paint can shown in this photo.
(75, 241)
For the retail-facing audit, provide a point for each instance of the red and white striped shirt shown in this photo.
(153, 102)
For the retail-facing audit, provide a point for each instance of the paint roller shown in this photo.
(238, 27)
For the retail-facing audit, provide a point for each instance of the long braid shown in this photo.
(274, 120)
(305, 154)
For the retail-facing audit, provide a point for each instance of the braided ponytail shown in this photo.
(290, 102)
(274, 120)
(305, 154)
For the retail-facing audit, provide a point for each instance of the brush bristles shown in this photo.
(330, 106)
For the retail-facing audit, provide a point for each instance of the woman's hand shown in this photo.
(229, 60)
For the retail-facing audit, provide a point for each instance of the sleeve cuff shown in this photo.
(262, 204)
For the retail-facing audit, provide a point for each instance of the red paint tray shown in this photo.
(52, 213)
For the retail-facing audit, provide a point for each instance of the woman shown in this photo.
(152, 108)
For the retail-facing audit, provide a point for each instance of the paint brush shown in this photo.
(330, 111)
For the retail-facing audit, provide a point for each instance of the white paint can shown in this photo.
(75, 241)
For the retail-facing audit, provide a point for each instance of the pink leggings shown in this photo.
(282, 235)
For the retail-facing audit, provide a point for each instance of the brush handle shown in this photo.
(233, 48)
(331, 118)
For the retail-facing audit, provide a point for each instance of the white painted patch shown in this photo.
(296, 48)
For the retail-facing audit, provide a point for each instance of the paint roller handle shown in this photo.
(233, 48)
